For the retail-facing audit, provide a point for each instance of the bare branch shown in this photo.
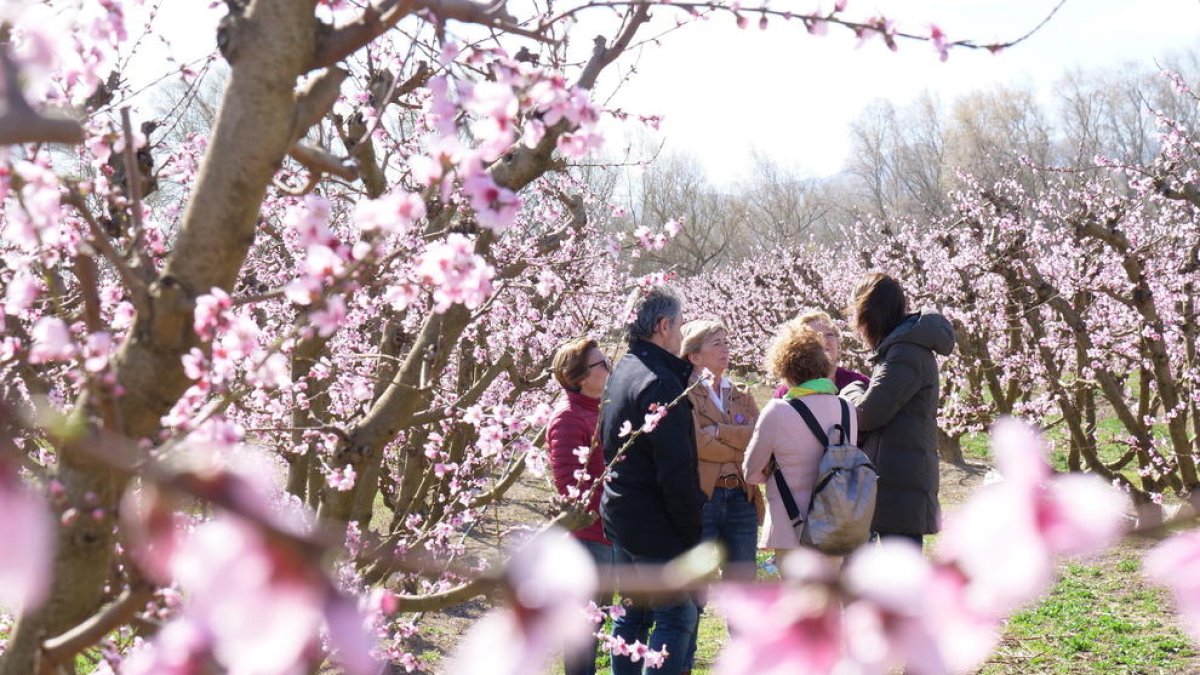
(344, 40)
(62, 649)
(319, 161)
(19, 123)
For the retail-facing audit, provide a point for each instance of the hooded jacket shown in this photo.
(652, 500)
(897, 413)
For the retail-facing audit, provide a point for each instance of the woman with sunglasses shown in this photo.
(576, 460)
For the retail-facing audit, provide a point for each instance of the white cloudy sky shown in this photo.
(724, 92)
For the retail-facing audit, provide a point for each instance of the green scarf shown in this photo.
(820, 385)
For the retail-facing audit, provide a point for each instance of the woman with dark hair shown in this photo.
(897, 411)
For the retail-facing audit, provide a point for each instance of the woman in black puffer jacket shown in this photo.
(897, 412)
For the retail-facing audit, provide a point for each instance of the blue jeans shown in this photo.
(731, 519)
(674, 621)
(583, 662)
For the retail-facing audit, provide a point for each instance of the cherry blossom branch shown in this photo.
(861, 29)
(133, 190)
(634, 434)
(61, 650)
(466, 400)
(99, 240)
(89, 287)
(506, 481)
(338, 43)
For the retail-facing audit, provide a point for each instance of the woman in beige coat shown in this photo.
(782, 439)
(725, 413)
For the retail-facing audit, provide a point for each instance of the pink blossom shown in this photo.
(456, 273)
(96, 351)
(38, 222)
(1175, 563)
(657, 412)
(582, 453)
(176, 650)
(26, 561)
(393, 213)
(779, 630)
(309, 219)
(260, 617)
(495, 207)
(122, 316)
(886, 624)
(240, 338)
(195, 365)
(330, 317)
(274, 373)
(495, 105)
(625, 430)
(425, 170)
(22, 291)
(342, 479)
(1042, 516)
(51, 341)
(938, 38)
(322, 262)
(533, 132)
(210, 312)
(551, 579)
(579, 144)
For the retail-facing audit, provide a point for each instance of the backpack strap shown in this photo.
(785, 493)
(845, 420)
(813, 425)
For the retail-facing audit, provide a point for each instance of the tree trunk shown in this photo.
(269, 47)
(950, 449)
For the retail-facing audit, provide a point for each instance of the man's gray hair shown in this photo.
(646, 307)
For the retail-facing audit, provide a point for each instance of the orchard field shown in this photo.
(277, 326)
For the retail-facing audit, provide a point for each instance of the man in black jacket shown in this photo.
(651, 504)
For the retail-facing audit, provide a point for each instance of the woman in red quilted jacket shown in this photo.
(575, 458)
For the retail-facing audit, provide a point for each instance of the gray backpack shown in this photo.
(838, 519)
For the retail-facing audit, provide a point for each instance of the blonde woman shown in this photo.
(725, 414)
(826, 327)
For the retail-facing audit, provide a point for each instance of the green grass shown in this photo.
(1109, 431)
(1097, 619)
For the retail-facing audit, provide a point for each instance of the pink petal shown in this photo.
(25, 560)
(1020, 452)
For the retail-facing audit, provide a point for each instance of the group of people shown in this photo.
(695, 475)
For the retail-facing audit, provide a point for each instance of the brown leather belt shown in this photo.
(730, 481)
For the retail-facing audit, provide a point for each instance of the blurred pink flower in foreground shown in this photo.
(1175, 563)
(903, 610)
(551, 580)
(1037, 514)
(783, 629)
(25, 561)
(256, 599)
